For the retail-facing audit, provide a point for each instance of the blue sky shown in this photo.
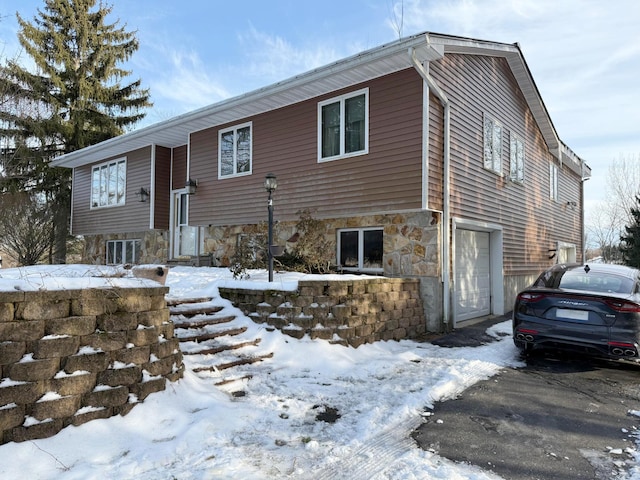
(584, 54)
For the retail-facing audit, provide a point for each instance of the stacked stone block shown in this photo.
(348, 312)
(70, 356)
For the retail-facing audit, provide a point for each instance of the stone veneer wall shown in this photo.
(70, 356)
(411, 240)
(349, 312)
(154, 246)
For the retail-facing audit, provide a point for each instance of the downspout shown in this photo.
(446, 213)
(152, 188)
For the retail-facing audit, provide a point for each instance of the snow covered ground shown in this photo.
(193, 430)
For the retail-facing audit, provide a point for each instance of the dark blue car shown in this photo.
(588, 309)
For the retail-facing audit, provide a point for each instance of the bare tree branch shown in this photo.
(608, 219)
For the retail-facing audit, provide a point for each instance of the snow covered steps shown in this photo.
(215, 345)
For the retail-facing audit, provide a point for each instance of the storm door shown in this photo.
(184, 236)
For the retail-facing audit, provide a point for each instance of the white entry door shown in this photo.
(184, 236)
(472, 275)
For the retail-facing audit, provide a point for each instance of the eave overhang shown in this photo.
(374, 63)
(174, 132)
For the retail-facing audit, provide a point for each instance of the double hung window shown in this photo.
(360, 249)
(492, 145)
(516, 164)
(553, 182)
(108, 184)
(235, 151)
(343, 126)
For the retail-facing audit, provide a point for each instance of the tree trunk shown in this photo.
(61, 228)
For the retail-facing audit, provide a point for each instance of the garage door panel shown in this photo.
(472, 275)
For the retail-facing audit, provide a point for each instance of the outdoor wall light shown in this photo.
(191, 186)
(270, 184)
(144, 194)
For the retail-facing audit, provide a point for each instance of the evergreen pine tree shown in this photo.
(630, 245)
(76, 96)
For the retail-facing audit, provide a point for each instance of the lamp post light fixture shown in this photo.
(270, 184)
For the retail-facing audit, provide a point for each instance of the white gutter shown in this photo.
(446, 212)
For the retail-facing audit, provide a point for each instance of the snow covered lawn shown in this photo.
(284, 427)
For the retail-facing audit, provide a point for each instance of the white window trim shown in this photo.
(360, 267)
(494, 163)
(553, 181)
(516, 175)
(124, 196)
(342, 99)
(234, 129)
(124, 252)
(566, 249)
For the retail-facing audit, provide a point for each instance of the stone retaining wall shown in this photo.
(349, 312)
(70, 356)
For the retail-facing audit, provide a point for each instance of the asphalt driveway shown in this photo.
(557, 418)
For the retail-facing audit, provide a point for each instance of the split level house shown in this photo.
(431, 157)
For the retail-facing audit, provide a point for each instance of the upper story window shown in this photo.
(553, 182)
(108, 183)
(492, 145)
(516, 162)
(343, 126)
(235, 151)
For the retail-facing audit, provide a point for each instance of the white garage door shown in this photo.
(473, 275)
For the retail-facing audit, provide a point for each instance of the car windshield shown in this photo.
(595, 282)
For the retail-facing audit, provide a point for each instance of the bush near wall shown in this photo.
(349, 312)
(70, 356)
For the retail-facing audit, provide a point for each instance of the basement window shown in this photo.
(360, 250)
(123, 251)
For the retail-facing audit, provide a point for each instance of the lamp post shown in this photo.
(270, 184)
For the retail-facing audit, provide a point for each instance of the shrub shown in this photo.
(313, 249)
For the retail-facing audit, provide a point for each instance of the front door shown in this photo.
(184, 236)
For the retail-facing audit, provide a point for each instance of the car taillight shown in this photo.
(531, 297)
(623, 306)
(527, 331)
(622, 344)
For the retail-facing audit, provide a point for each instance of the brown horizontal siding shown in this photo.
(179, 167)
(162, 197)
(532, 223)
(131, 217)
(436, 153)
(285, 143)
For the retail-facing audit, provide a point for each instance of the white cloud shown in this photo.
(187, 82)
(272, 58)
